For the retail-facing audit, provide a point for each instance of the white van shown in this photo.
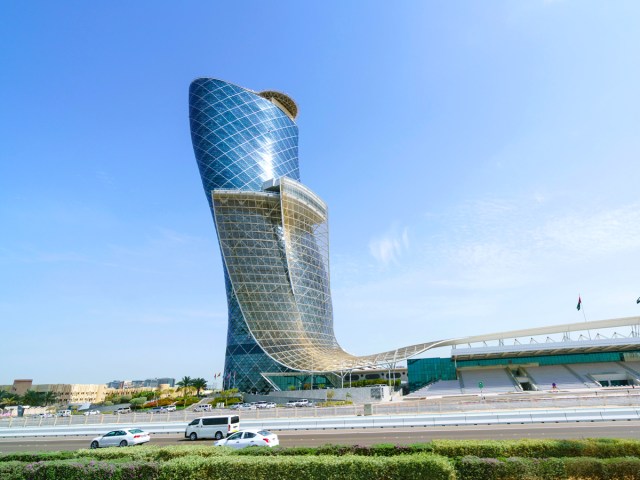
(212, 427)
(64, 413)
(205, 407)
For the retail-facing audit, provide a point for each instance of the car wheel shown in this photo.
(218, 436)
(123, 443)
(95, 444)
(193, 436)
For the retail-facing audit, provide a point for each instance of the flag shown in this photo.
(580, 302)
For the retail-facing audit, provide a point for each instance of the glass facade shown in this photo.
(559, 359)
(240, 139)
(274, 238)
(423, 371)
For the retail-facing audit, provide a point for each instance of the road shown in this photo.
(399, 436)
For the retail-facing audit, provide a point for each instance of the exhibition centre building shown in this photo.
(274, 240)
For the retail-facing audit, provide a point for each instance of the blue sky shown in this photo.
(480, 161)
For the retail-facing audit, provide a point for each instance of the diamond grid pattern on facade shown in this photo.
(275, 246)
(240, 140)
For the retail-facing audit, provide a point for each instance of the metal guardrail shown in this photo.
(606, 400)
(349, 422)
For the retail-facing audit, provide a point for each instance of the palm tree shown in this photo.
(7, 398)
(31, 397)
(184, 385)
(199, 384)
(49, 397)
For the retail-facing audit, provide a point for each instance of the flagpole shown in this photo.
(584, 315)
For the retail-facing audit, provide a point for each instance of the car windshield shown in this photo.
(264, 433)
(135, 430)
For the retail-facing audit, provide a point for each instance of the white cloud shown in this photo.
(489, 266)
(389, 247)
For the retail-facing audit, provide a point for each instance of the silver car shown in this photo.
(121, 438)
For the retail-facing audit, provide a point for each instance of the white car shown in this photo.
(249, 438)
(121, 438)
(246, 406)
(91, 412)
(170, 408)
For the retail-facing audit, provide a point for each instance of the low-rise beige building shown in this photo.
(75, 393)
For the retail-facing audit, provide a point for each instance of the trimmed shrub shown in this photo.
(599, 448)
(88, 470)
(12, 470)
(36, 456)
(348, 467)
(474, 468)
(627, 468)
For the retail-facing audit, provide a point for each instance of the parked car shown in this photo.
(122, 410)
(91, 412)
(170, 408)
(249, 438)
(212, 427)
(63, 413)
(44, 415)
(246, 406)
(302, 402)
(158, 410)
(270, 405)
(203, 408)
(121, 438)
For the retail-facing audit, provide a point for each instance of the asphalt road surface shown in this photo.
(398, 436)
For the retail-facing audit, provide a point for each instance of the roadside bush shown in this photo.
(154, 453)
(347, 467)
(13, 470)
(600, 448)
(474, 468)
(83, 470)
(627, 468)
(584, 468)
(36, 456)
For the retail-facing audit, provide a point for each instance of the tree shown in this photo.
(7, 398)
(31, 397)
(185, 386)
(199, 384)
(49, 398)
(138, 402)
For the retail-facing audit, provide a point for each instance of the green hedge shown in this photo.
(80, 470)
(584, 468)
(597, 448)
(500, 460)
(348, 467)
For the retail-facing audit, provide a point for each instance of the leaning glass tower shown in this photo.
(242, 139)
(274, 238)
